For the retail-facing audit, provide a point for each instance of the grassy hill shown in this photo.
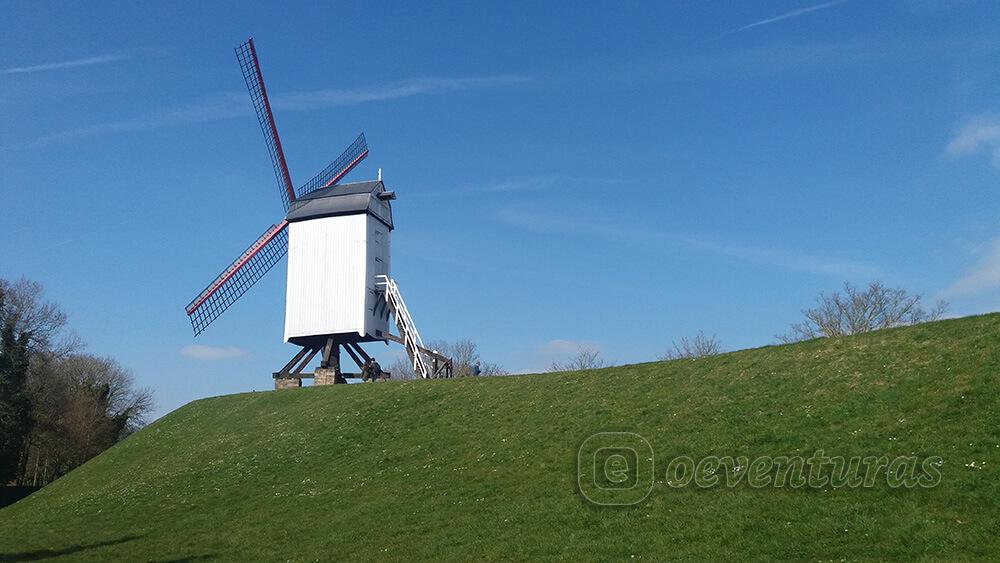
(488, 467)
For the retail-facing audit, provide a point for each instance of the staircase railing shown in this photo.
(407, 330)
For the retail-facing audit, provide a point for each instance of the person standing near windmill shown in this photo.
(371, 370)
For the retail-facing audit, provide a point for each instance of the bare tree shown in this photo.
(402, 369)
(115, 387)
(490, 369)
(84, 406)
(463, 353)
(698, 346)
(855, 311)
(42, 321)
(586, 358)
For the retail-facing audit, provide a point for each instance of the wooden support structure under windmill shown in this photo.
(427, 363)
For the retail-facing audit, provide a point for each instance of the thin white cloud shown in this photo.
(227, 106)
(203, 352)
(777, 58)
(979, 134)
(774, 58)
(535, 183)
(219, 107)
(984, 276)
(560, 347)
(785, 16)
(90, 61)
(788, 259)
(426, 86)
(665, 241)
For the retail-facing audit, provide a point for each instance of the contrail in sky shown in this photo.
(90, 61)
(785, 16)
(226, 106)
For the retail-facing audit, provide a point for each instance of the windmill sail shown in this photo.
(239, 277)
(338, 168)
(247, 57)
(269, 248)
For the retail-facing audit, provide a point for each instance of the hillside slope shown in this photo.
(488, 467)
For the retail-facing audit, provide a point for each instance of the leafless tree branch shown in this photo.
(585, 358)
(854, 311)
(697, 346)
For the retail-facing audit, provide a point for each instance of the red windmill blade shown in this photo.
(338, 168)
(246, 54)
(239, 277)
(270, 247)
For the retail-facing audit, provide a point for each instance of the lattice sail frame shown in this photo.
(239, 277)
(338, 168)
(247, 57)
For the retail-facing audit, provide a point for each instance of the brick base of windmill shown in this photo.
(329, 371)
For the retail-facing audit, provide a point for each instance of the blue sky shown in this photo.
(612, 175)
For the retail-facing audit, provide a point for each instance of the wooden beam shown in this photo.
(430, 353)
(335, 359)
(357, 347)
(327, 350)
(305, 362)
(284, 371)
(347, 348)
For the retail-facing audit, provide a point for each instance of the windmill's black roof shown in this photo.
(345, 189)
(343, 199)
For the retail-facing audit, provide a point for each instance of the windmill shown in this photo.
(338, 292)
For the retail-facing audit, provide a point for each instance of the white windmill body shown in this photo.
(338, 247)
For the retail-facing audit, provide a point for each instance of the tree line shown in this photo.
(59, 406)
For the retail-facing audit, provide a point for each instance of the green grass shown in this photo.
(486, 468)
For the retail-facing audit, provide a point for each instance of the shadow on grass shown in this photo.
(10, 495)
(49, 553)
